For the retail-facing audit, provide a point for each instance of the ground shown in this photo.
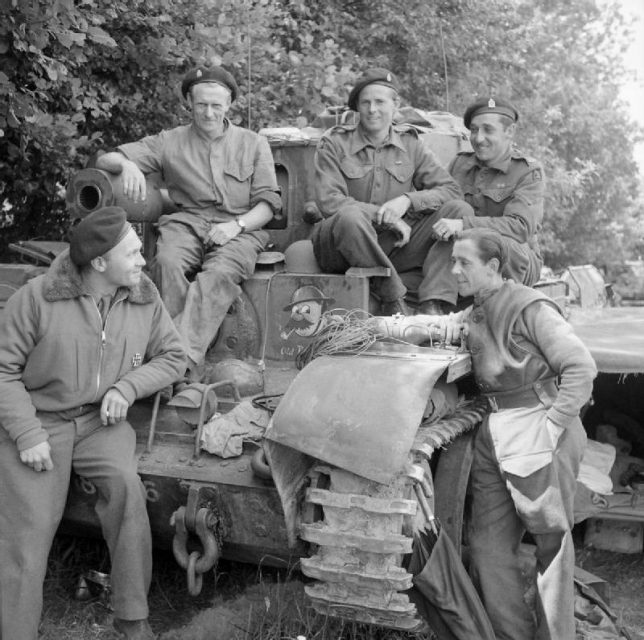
(244, 602)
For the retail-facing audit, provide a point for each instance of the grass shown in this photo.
(246, 602)
(238, 602)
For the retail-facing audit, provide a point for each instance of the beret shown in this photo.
(490, 105)
(96, 234)
(377, 75)
(209, 74)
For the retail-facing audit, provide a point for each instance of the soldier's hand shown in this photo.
(222, 232)
(403, 230)
(38, 457)
(454, 328)
(554, 431)
(113, 408)
(392, 211)
(134, 184)
(447, 228)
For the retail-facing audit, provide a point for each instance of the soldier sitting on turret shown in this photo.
(222, 179)
(380, 191)
(504, 192)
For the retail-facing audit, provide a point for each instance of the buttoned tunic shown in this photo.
(353, 178)
(506, 196)
(351, 170)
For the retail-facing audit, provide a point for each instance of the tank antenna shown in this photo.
(248, 37)
(440, 28)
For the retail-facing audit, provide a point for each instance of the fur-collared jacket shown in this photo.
(57, 354)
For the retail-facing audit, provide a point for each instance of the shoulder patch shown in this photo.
(517, 154)
(537, 174)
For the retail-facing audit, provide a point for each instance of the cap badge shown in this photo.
(388, 77)
(199, 73)
(491, 104)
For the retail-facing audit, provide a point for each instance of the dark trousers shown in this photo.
(32, 504)
(349, 239)
(199, 306)
(504, 507)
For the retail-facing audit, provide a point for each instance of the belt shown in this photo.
(77, 412)
(540, 392)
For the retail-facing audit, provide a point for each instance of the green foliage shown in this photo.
(81, 75)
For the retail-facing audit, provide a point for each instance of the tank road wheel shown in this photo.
(362, 530)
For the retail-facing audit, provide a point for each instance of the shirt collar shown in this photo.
(502, 164)
(201, 135)
(360, 141)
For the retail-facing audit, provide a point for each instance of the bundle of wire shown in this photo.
(342, 331)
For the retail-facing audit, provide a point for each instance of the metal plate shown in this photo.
(359, 413)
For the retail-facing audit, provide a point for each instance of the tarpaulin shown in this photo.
(614, 337)
(443, 592)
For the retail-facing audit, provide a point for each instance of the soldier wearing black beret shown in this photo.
(79, 345)
(490, 105)
(96, 234)
(222, 179)
(377, 75)
(503, 190)
(379, 189)
(218, 75)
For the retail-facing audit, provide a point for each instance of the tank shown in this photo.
(354, 453)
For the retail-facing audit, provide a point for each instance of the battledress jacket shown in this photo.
(351, 171)
(507, 196)
(56, 355)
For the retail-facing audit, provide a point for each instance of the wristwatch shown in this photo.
(241, 223)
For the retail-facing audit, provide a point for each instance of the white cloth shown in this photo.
(524, 439)
(594, 471)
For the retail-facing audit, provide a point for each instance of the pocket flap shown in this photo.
(401, 172)
(240, 172)
(354, 170)
(498, 195)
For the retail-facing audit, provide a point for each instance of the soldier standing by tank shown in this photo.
(380, 190)
(503, 190)
(78, 345)
(537, 375)
(222, 180)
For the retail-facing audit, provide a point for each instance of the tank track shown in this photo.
(362, 532)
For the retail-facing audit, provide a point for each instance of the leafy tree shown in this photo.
(79, 75)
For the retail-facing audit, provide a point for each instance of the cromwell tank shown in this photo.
(359, 451)
(348, 466)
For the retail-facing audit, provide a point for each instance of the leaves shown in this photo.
(88, 74)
